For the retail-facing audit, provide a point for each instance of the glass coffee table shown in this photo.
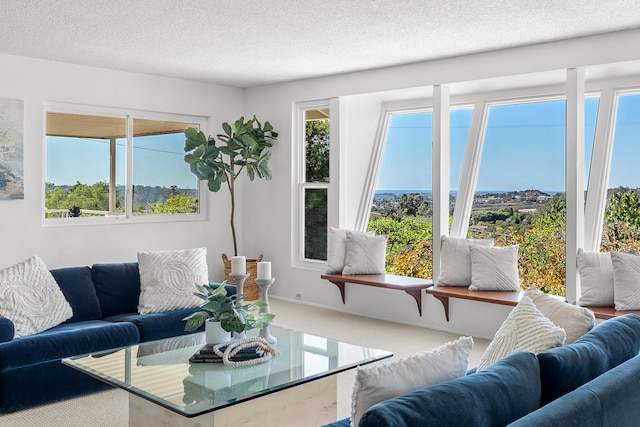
(298, 387)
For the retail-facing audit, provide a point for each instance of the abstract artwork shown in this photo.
(11, 149)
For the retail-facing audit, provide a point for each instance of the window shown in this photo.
(520, 191)
(621, 230)
(403, 202)
(95, 167)
(314, 181)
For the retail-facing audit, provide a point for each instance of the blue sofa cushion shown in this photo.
(156, 326)
(495, 396)
(117, 287)
(77, 287)
(563, 369)
(610, 400)
(66, 340)
(7, 329)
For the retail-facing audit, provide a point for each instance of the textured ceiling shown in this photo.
(252, 42)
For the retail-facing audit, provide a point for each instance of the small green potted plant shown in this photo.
(218, 307)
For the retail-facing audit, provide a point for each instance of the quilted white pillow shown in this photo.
(378, 382)
(337, 248)
(31, 298)
(596, 278)
(575, 320)
(455, 264)
(525, 329)
(168, 279)
(494, 268)
(626, 281)
(365, 254)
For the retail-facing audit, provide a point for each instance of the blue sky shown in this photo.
(157, 160)
(524, 147)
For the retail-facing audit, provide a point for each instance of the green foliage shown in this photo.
(222, 308)
(83, 196)
(413, 204)
(242, 146)
(623, 207)
(317, 150)
(408, 246)
(176, 203)
(315, 224)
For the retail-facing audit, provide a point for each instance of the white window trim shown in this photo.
(128, 114)
(298, 179)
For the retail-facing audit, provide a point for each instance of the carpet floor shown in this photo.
(110, 408)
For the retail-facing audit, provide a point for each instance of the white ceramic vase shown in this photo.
(214, 334)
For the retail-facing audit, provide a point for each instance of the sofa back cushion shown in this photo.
(117, 286)
(611, 400)
(77, 287)
(563, 369)
(498, 395)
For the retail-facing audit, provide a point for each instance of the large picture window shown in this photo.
(621, 228)
(402, 205)
(117, 166)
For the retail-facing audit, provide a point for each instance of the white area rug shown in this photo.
(106, 409)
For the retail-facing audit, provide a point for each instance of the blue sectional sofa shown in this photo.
(594, 381)
(104, 299)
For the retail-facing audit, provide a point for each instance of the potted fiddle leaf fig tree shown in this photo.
(244, 146)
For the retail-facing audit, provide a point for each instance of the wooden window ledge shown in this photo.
(411, 285)
(443, 293)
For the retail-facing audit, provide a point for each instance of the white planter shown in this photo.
(214, 333)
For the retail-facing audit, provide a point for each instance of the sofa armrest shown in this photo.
(7, 329)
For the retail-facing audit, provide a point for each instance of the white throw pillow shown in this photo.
(365, 254)
(596, 278)
(31, 298)
(382, 381)
(626, 281)
(455, 264)
(168, 279)
(525, 329)
(575, 320)
(337, 248)
(494, 268)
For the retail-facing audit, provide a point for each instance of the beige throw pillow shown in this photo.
(365, 254)
(525, 329)
(31, 298)
(596, 278)
(575, 320)
(455, 264)
(382, 381)
(337, 248)
(494, 268)
(626, 281)
(168, 279)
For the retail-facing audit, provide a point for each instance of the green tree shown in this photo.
(413, 204)
(623, 206)
(176, 203)
(317, 150)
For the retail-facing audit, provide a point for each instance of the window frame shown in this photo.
(129, 115)
(300, 185)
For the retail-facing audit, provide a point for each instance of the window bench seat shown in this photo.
(443, 293)
(411, 285)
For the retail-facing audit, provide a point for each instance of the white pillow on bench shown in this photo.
(455, 264)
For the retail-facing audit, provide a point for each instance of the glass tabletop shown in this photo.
(160, 370)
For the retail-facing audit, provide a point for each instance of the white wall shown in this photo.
(22, 233)
(268, 215)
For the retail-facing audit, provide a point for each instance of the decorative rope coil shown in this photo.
(266, 351)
